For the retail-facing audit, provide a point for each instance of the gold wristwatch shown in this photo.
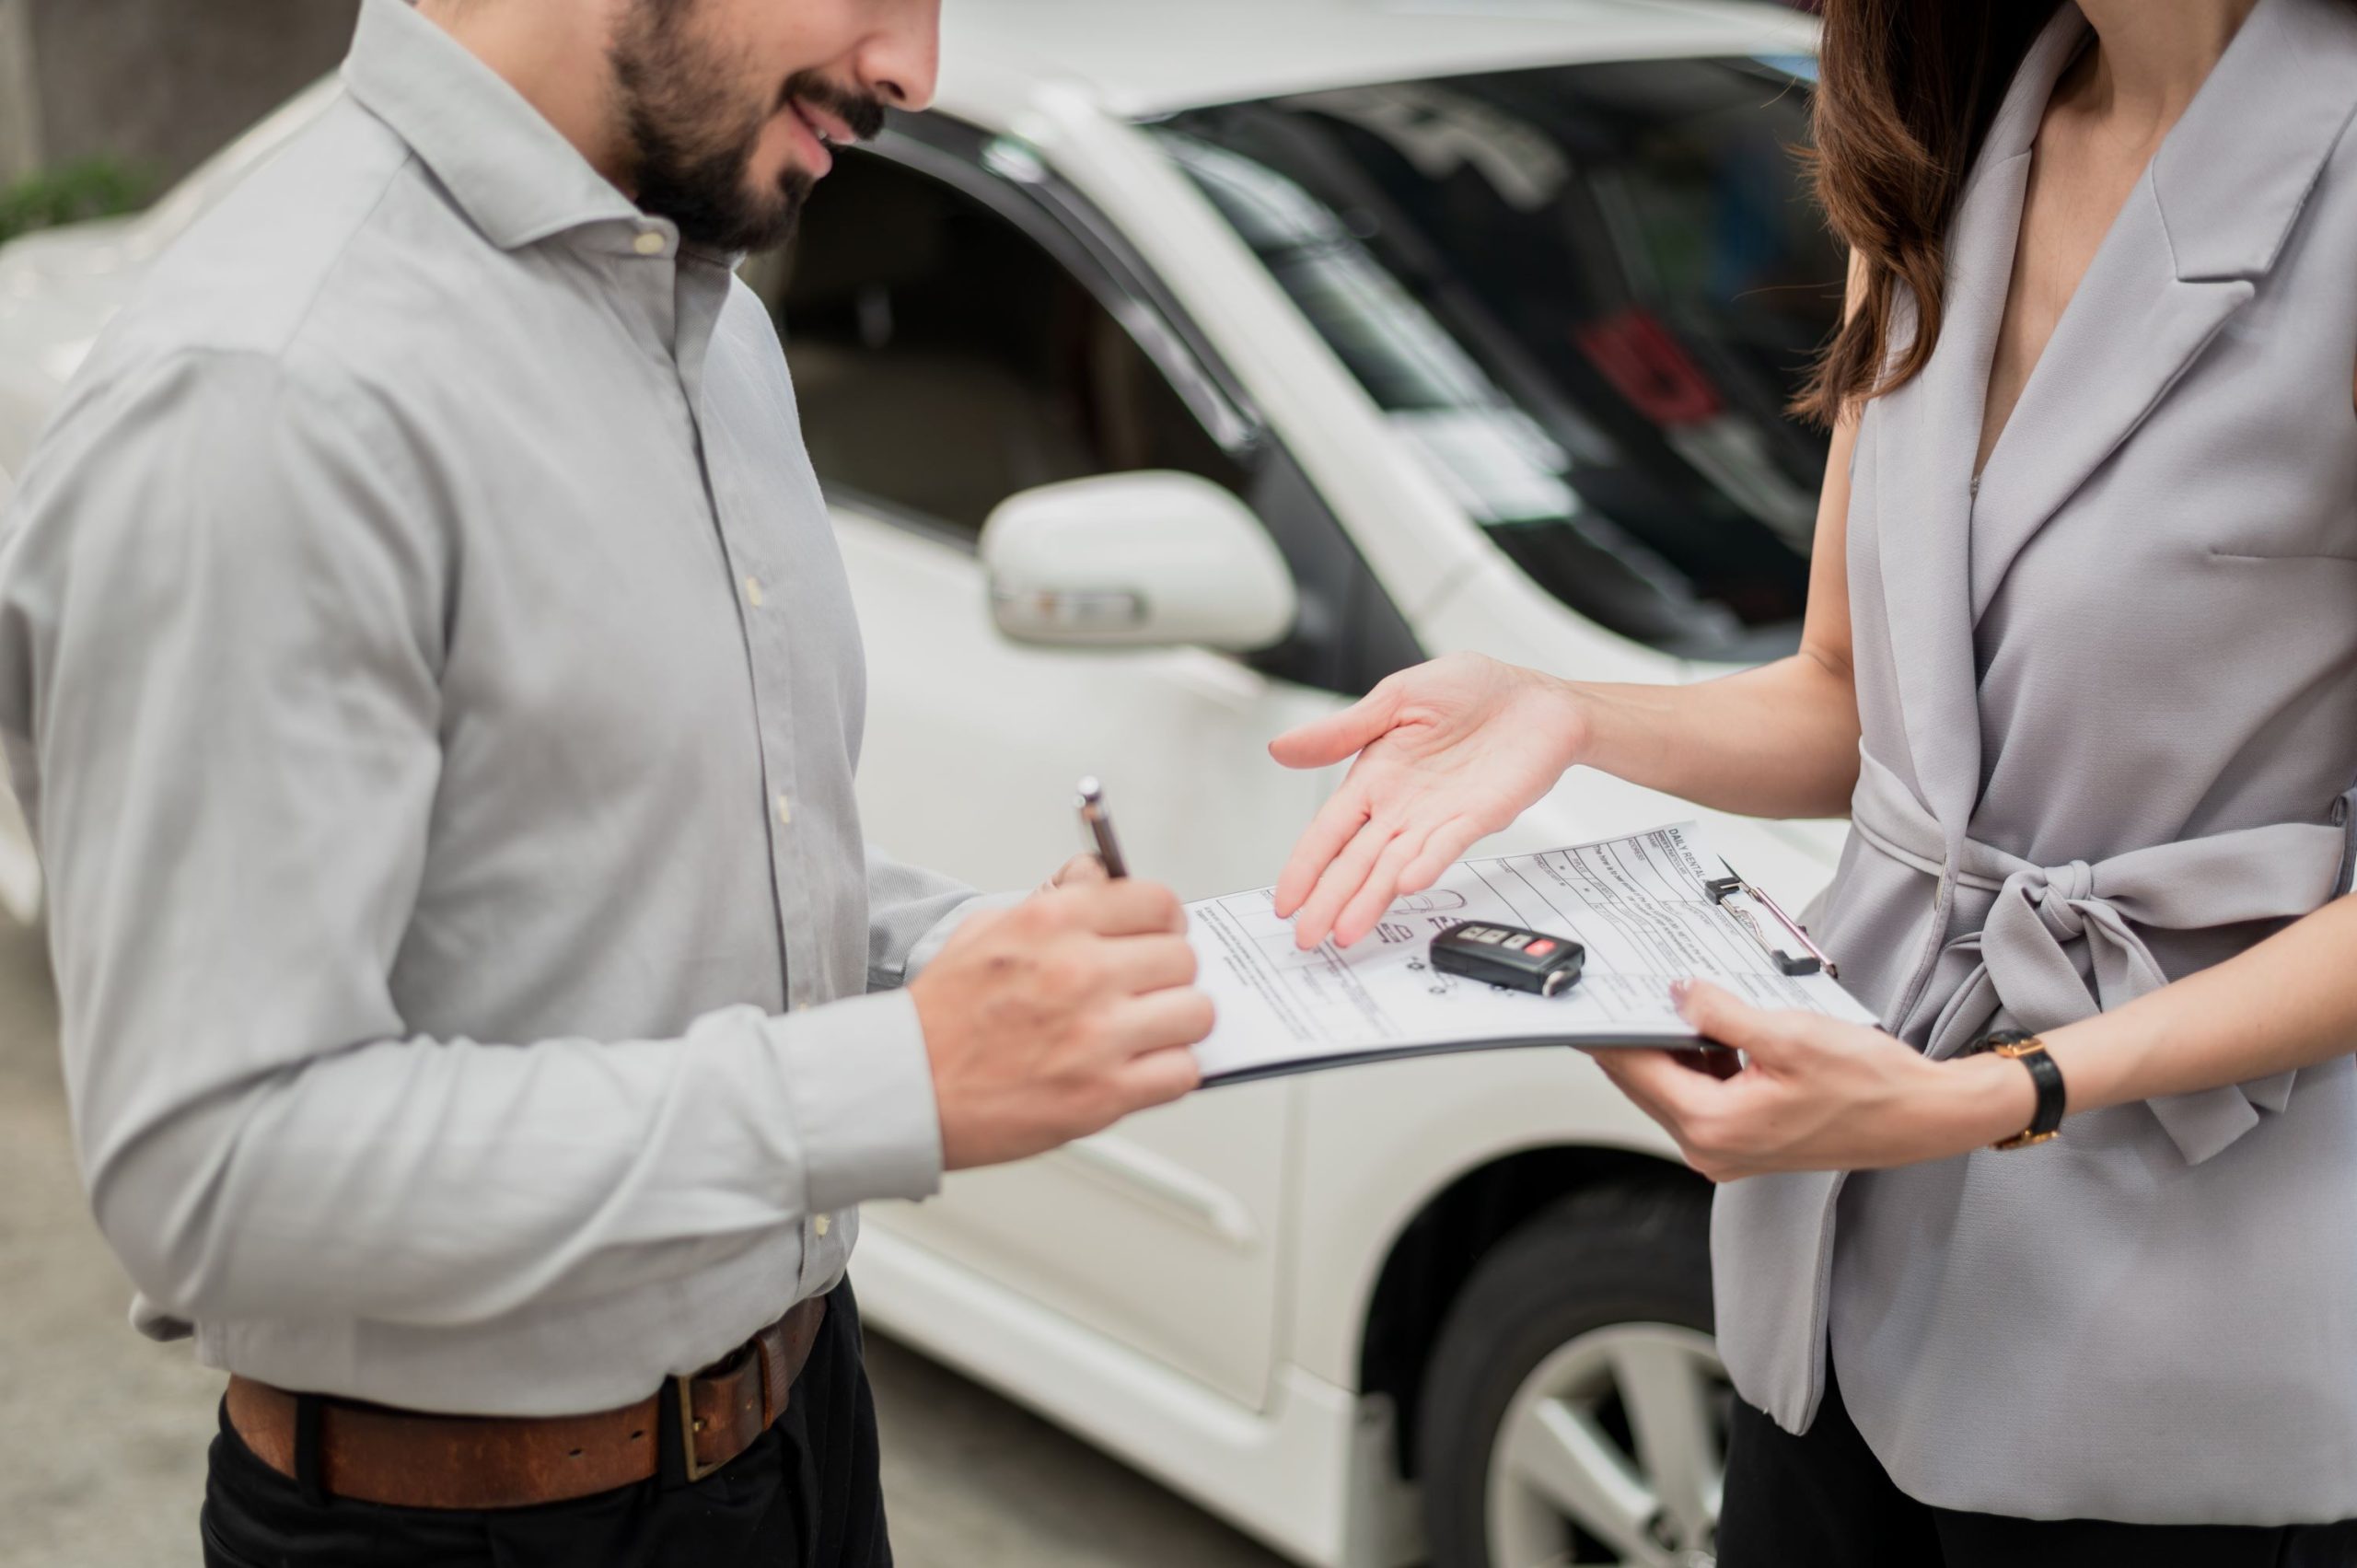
(2030, 1052)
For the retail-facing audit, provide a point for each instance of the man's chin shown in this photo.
(745, 224)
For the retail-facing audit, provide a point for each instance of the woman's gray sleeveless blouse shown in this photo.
(2110, 711)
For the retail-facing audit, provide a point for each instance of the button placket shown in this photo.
(773, 698)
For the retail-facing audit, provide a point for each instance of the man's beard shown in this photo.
(694, 146)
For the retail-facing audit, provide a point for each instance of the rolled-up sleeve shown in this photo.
(222, 614)
(911, 916)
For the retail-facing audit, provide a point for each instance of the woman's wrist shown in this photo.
(1574, 707)
(1605, 728)
(1984, 1099)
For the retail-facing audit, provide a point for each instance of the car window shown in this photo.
(1583, 295)
(944, 360)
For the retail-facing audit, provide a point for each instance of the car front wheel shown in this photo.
(1576, 1409)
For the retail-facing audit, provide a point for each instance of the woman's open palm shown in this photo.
(1448, 752)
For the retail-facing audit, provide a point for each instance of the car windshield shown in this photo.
(1583, 294)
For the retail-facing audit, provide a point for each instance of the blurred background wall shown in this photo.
(153, 85)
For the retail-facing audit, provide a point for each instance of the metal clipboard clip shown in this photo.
(1809, 960)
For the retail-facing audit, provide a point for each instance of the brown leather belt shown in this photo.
(406, 1459)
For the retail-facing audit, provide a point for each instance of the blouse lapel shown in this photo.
(2208, 218)
(1926, 436)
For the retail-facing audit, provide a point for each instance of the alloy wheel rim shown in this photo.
(1621, 1433)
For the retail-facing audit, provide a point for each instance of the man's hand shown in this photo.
(1058, 1017)
(1079, 871)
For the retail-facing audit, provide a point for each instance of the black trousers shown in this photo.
(805, 1495)
(1824, 1500)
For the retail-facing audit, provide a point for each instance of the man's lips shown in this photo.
(820, 131)
(811, 149)
(826, 122)
(811, 146)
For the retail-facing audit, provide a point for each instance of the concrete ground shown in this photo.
(102, 1444)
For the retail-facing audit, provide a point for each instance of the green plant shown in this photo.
(92, 188)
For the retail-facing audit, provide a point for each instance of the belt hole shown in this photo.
(573, 1455)
(637, 1435)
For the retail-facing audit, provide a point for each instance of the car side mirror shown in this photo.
(1149, 559)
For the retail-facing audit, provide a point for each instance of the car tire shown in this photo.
(1575, 1408)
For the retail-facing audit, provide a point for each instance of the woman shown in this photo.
(2081, 664)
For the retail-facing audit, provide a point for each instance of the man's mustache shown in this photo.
(863, 112)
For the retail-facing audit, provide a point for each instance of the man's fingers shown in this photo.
(1080, 871)
(1158, 1077)
(1142, 964)
(1342, 815)
(1369, 904)
(1124, 907)
(1321, 743)
(1161, 1020)
(1344, 876)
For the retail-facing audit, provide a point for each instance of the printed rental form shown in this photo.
(1641, 905)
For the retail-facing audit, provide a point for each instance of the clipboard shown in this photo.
(1647, 907)
(1809, 958)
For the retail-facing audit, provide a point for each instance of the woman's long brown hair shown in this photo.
(1905, 92)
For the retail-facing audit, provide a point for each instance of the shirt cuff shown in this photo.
(862, 1084)
(929, 946)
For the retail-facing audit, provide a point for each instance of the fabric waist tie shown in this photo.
(2023, 963)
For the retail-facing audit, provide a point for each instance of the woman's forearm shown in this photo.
(1781, 740)
(2290, 1002)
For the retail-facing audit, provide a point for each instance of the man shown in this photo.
(426, 662)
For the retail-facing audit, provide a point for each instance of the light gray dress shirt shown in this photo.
(427, 665)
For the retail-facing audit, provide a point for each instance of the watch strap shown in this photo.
(2046, 1122)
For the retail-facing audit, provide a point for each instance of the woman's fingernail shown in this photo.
(1679, 990)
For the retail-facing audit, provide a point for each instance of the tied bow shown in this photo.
(2024, 948)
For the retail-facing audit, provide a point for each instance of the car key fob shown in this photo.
(1511, 956)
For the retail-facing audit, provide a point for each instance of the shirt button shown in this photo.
(649, 243)
(753, 595)
(822, 1224)
(784, 813)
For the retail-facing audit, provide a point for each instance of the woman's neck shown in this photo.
(2151, 56)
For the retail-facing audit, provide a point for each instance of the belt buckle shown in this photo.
(689, 1427)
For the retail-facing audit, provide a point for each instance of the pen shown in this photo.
(1100, 823)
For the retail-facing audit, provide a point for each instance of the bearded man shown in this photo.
(427, 663)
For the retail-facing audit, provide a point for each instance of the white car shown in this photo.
(1184, 372)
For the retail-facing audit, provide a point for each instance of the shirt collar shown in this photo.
(507, 169)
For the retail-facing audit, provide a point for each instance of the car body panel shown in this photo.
(1190, 1197)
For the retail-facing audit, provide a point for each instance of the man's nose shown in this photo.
(901, 63)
